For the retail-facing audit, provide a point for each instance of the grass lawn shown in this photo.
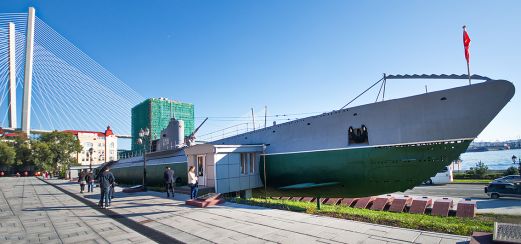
(476, 181)
(451, 225)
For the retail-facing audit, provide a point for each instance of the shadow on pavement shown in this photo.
(498, 203)
(55, 208)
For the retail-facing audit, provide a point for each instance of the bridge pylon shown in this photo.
(28, 79)
(12, 77)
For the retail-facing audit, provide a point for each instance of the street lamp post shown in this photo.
(91, 150)
(144, 135)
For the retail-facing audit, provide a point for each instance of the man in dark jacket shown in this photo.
(90, 181)
(168, 176)
(106, 179)
(82, 181)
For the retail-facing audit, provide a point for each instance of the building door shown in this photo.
(199, 169)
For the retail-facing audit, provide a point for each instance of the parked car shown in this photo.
(442, 177)
(503, 189)
(509, 179)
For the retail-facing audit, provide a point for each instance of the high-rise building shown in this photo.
(155, 114)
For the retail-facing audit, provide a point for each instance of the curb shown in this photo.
(467, 183)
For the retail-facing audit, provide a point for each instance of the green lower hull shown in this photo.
(358, 172)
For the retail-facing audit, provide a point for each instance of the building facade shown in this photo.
(226, 168)
(155, 114)
(104, 146)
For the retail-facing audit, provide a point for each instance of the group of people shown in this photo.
(86, 178)
(169, 178)
(107, 182)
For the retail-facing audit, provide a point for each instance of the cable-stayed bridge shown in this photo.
(59, 86)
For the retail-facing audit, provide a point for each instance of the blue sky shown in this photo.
(292, 56)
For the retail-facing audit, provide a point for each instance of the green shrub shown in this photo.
(511, 171)
(459, 176)
(451, 225)
(478, 172)
(494, 176)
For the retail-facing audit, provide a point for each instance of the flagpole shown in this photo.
(468, 71)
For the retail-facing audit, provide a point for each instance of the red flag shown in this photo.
(466, 43)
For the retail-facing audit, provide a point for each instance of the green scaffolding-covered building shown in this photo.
(155, 114)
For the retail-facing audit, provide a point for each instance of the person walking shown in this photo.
(82, 181)
(192, 182)
(106, 179)
(90, 181)
(168, 176)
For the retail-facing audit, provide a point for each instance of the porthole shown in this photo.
(443, 98)
(355, 114)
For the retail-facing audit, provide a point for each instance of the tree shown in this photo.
(479, 171)
(42, 156)
(22, 146)
(7, 154)
(61, 145)
(511, 171)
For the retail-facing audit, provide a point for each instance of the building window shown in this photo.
(87, 145)
(200, 165)
(248, 160)
(252, 163)
(112, 145)
(244, 163)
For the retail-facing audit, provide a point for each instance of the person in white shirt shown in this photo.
(192, 182)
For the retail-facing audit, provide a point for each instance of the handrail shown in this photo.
(434, 76)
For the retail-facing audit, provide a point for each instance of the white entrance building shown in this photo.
(226, 168)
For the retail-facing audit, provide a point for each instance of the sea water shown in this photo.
(499, 160)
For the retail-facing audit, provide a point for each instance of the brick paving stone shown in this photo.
(349, 201)
(466, 208)
(381, 202)
(419, 205)
(441, 207)
(307, 199)
(333, 201)
(399, 204)
(364, 202)
(427, 239)
(32, 211)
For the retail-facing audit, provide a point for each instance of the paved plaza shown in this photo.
(32, 211)
(47, 214)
